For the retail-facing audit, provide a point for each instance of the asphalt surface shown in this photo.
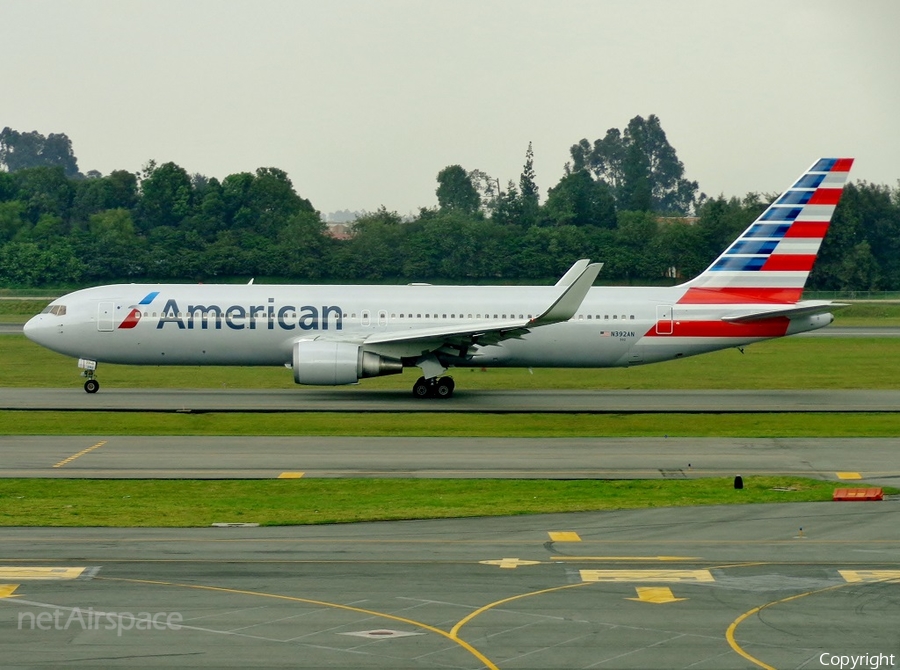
(873, 460)
(716, 587)
(463, 401)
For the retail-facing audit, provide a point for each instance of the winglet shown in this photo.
(567, 304)
(573, 272)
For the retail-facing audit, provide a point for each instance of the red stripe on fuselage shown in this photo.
(739, 296)
(776, 327)
(810, 229)
(789, 263)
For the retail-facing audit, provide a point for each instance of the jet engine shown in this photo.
(328, 363)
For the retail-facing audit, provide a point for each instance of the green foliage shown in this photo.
(165, 224)
(166, 195)
(28, 150)
(456, 191)
(640, 167)
(578, 200)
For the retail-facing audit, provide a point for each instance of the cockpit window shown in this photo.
(58, 310)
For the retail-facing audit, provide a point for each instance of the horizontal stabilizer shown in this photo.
(805, 308)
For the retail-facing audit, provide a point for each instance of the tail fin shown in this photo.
(771, 260)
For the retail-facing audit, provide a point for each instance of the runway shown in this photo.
(463, 401)
(873, 460)
(702, 587)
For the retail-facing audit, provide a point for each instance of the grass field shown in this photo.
(171, 503)
(453, 425)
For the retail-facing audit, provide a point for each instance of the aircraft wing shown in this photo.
(805, 308)
(465, 335)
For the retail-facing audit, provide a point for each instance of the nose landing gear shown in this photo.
(88, 368)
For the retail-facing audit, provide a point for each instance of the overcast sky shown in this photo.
(363, 102)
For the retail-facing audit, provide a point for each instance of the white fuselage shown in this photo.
(181, 324)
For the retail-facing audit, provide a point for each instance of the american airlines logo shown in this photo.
(134, 314)
(251, 317)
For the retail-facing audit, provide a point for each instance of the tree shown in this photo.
(27, 150)
(166, 195)
(262, 202)
(578, 200)
(117, 191)
(12, 220)
(639, 165)
(455, 190)
(528, 190)
(44, 190)
(858, 270)
(110, 248)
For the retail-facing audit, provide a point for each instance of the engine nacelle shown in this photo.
(327, 363)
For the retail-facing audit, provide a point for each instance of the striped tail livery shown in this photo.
(770, 261)
(752, 291)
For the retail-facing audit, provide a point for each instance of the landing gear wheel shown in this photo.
(421, 389)
(92, 386)
(444, 388)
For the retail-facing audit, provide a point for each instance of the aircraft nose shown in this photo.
(33, 328)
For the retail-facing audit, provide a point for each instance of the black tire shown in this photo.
(450, 381)
(421, 389)
(92, 386)
(444, 388)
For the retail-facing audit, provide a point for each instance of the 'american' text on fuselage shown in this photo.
(238, 317)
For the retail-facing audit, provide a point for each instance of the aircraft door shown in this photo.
(664, 322)
(382, 319)
(105, 312)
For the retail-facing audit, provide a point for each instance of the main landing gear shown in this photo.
(434, 387)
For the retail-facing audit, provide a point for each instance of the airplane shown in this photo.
(332, 335)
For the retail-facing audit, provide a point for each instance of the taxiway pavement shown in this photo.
(704, 587)
(873, 460)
